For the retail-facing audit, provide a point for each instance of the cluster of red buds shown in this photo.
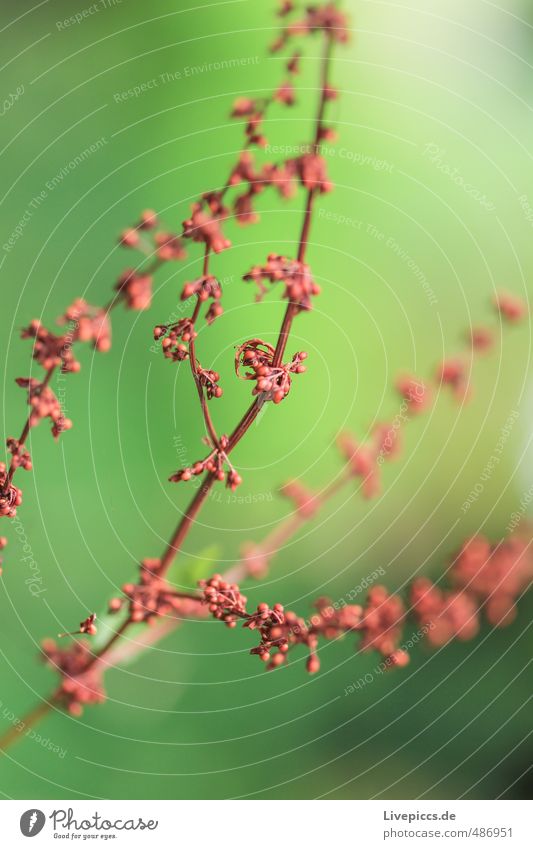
(49, 349)
(381, 624)
(273, 383)
(83, 323)
(327, 18)
(253, 109)
(81, 677)
(387, 441)
(415, 393)
(510, 307)
(484, 575)
(215, 464)
(152, 597)
(273, 628)
(300, 287)
(10, 495)
(153, 242)
(244, 173)
(135, 289)
(480, 339)
(285, 93)
(44, 404)
(254, 560)
(205, 226)
(88, 323)
(486, 578)
(205, 288)
(224, 600)
(174, 339)
(281, 177)
(134, 286)
(312, 171)
(87, 626)
(364, 459)
(361, 460)
(21, 457)
(209, 380)
(306, 502)
(453, 373)
(446, 614)
(495, 575)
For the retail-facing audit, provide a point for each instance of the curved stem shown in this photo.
(25, 433)
(194, 364)
(251, 413)
(23, 726)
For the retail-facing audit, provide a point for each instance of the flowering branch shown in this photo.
(483, 575)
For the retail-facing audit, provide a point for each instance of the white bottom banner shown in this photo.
(226, 823)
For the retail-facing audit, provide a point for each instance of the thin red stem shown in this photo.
(194, 364)
(251, 414)
(25, 433)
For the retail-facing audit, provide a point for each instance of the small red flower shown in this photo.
(481, 339)
(135, 289)
(415, 393)
(300, 288)
(49, 349)
(90, 324)
(510, 307)
(254, 360)
(10, 495)
(382, 624)
(44, 404)
(202, 227)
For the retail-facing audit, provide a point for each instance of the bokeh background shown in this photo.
(435, 125)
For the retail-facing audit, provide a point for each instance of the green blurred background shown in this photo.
(196, 717)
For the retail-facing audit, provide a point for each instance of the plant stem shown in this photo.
(194, 364)
(243, 425)
(25, 433)
(185, 524)
(30, 720)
